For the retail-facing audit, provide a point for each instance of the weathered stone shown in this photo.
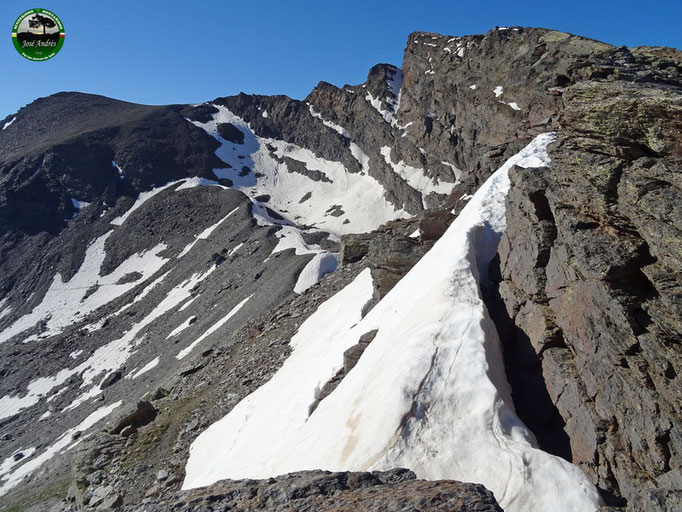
(110, 379)
(390, 491)
(352, 355)
(354, 248)
(143, 414)
(590, 267)
(100, 494)
(434, 224)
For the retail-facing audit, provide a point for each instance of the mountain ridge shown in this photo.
(462, 107)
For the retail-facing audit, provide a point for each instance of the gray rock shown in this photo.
(391, 491)
(100, 494)
(143, 414)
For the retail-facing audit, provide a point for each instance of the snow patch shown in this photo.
(205, 234)
(4, 310)
(321, 265)
(184, 325)
(235, 249)
(415, 177)
(184, 352)
(118, 169)
(105, 359)
(328, 124)
(65, 303)
(141, 199)
(78, 205)
(317, 355)
(360, 195)
(149, 366)
(8, 123)
(498, 91)
(455, 170)
(429, 393)
(65, 442)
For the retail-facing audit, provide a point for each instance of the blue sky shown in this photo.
(160, 52)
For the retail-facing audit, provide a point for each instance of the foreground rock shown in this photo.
(395, 490)
(591, 270)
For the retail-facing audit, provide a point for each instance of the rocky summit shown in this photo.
(456, 286)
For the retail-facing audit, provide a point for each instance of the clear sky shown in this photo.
(189, 51)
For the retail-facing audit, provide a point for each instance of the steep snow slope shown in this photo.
(429, 393)
(318, 192)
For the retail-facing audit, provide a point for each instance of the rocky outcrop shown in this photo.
(390, 491)
(590, 270)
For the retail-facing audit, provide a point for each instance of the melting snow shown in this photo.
(320, 340)
(455, 170)
(65, 442)
(4, 311)
(359, 195)
(105, 359)
(8, 123)
(141, 199)
(473, 87)
(205, 233)
(68, 302)
(415, 177)
(149, 366)
(118, 169)
(184, 352)
(498, 91)
(235, 248)
(147, 195)
(429, 392)
(321, 265)
(184, 325)
(328, 124)
(395, 84)
(78, 205)
(514, 105)
(10, 461)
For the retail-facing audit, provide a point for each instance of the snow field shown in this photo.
(429, 392)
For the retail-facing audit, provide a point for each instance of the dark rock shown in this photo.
(354, 248)
(390, 491)
(434, 224)
(590, 269)
(110, 379)
(143, 414)
(231, 133)
(390, 258)
(353, 354)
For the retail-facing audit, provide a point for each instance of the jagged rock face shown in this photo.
(475, 100)
(390, 491)
(590, 269)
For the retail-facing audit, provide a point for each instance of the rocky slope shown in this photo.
(108, 276)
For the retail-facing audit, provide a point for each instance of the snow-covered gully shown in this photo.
(429, 393)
